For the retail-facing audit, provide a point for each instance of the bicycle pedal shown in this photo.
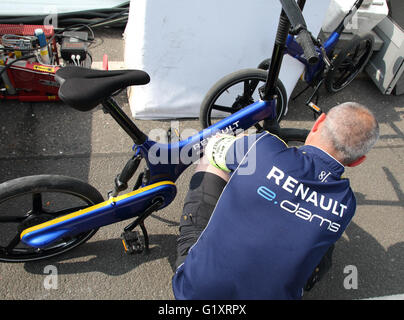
(315, 108)
(131, 242)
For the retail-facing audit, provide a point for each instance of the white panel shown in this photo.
(188, 45)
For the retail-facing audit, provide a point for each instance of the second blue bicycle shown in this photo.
(336, 68)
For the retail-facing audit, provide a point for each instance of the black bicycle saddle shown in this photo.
(83, 89)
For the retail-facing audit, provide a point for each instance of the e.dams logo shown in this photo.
(296, 209)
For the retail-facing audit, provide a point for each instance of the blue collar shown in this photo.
(333, 164)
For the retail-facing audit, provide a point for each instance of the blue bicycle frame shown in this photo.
(296, 51)
(165, 162)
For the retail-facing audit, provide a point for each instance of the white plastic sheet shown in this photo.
(187, 45)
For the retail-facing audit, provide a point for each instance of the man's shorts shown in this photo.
(205, 189)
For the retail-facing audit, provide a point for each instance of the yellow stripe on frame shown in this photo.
(97, 206)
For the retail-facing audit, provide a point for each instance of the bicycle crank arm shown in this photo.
(111, 211)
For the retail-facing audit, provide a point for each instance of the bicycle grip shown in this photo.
(306, 42)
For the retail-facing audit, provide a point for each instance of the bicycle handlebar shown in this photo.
(296, 19)
(306, 42)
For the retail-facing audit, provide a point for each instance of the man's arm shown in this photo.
(225, 152)
(205, 166)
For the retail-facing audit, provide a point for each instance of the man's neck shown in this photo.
(328, 150)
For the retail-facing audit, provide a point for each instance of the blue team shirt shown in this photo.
(275, 219)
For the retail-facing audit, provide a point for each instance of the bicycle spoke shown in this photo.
(359, 56)
(249, 87)
(342, 79)
(222, 108)
(345, 72)
(12, 219)
(246, 88)
(348, 66)
(36, 203)
(13, 243)
(354, 55)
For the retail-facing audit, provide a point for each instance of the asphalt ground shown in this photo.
(38, 138)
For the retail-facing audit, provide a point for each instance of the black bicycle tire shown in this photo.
(293, 134)
(231, 79)
(264, 64)
(330, 77)
(50, 183)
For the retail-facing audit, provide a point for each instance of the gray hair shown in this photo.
(352, 130)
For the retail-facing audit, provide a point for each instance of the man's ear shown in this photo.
(319, 120)
(357, 162)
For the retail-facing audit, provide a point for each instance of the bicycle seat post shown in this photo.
(113, 108)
